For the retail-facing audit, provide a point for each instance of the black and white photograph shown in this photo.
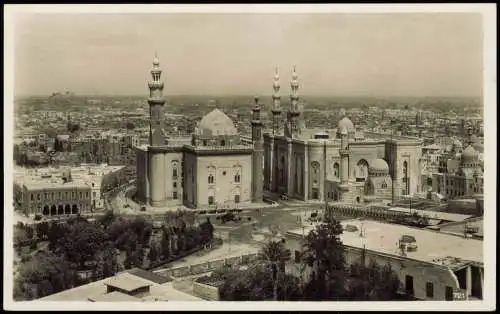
(180, 157)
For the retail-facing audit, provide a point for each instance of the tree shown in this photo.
(130, 125)
(275, 255)
(373, 283)
(323, 251)
(44, 274)
(106, 263)
(42, 230)
(29, 232)
(165, 244)
(83, 241)
(154, 253)
(107, 219)
(206, 231)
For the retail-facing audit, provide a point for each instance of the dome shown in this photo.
(378, 165)
(478, 147)
(470, 154)
(345, 122)
(217, 123)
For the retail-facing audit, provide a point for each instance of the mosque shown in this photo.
(344, 164)
(216, 167)
(212, 168)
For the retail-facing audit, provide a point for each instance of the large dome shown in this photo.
(345, 122)
(378, 166)
(469, 154)
(217, 123)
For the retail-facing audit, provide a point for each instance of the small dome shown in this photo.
(478, 147)
(379, 166)
(345, 122)
(470, 154)
(217, 123)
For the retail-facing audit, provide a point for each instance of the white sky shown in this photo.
(400, 54)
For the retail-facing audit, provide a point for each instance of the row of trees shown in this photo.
(330, 278)
(102, 248)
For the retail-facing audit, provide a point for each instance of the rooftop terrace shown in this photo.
(433, 247)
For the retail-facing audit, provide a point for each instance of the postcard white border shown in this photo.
(488, 12)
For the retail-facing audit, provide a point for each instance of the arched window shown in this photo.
(384, 185)
(237, 178)
(174, 173)
(210, 179)
(406, 185)
(222, 143)
(336, 170)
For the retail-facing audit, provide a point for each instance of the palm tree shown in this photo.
(275, 254)
(323, 251)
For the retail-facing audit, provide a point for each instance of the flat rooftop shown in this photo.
(433, 247)
(127, 282)
(51, 177)
(98, 291)
(114, 296)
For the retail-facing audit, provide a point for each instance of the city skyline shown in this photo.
(403, 55)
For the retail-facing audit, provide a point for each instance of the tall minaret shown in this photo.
(294, 111)
(258, 153)
(344, 157)
(276, 111)
(156, 103)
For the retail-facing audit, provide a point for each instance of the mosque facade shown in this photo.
(213, 167)
(344, 164)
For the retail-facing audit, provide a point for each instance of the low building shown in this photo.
(435, 266)
(134, 285)
(67, 191)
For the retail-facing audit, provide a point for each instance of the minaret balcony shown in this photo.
(155, 84)
(344, 152)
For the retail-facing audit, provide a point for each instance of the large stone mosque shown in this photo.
(216, 167)
(213, 167)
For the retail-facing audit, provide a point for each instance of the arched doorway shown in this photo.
(46, 210)
(74, 209)
(53, 211)
(67, 209)
(358, 199)
(60, 208)
(282, 170)
(361, 170)
(53, 208)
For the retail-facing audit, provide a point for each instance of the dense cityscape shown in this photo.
(281, 196)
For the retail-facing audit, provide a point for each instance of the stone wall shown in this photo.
(206, 292)
(208, 266)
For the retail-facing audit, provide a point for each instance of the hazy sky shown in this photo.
(405, 54)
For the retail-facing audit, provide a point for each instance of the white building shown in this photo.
(431, 266)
